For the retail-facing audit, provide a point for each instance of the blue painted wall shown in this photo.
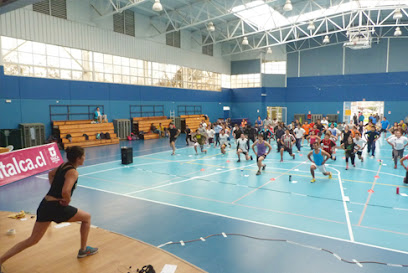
(31, 97)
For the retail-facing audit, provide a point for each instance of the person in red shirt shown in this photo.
(328, 146)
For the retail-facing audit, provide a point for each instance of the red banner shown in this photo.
(26, 162)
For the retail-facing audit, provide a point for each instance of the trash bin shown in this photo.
(127, 155)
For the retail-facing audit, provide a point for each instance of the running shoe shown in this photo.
(313, 180)
(293, 156)
(87, 252)
(239, 160)
(395, 166)
(330, 175)
(263, 167)
(258, 172)
(251, 158)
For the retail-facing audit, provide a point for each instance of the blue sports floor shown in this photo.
(161, 198)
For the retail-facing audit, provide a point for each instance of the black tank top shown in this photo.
(59, 180)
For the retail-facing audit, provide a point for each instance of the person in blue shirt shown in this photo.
(385, 124)
(374, 120)
(361, 117)
(97, 115)
(371, 136)
(217, 130)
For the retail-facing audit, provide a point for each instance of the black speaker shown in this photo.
(127, 155)
(11, 137)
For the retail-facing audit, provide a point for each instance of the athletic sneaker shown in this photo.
(395, 166)
(330, 175)
(263, 167)
(251, 158)
(87, 252)
(258, 172)
(293, 156)
(239, 160)
(313, 180)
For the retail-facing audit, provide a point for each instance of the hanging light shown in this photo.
(311, 26)
(269, 51)
(157, 6)
(326, 39)
(288, 6)
(245, 41)
(397, 14)
(210, 27)
(397, 31)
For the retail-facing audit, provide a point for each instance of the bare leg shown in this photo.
(85, 219)
(173, 146)
(312, 168)
(38, 232)
(281, 153)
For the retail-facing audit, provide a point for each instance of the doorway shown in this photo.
(280, 113)
(367, 108)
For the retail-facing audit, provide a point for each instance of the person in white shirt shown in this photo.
(324, 122)
(398, 143)
(204, 124)
(210, 134)
(242, 148)
(360, 143)
(223, 140)
(299, 132)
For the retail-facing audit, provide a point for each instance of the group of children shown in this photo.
(324, 138)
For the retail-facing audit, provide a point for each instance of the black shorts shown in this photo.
(257, 157)
(173, 139)
(52, 211)
(210, 140)
(359, 153)
(286, 149)
(383, 130)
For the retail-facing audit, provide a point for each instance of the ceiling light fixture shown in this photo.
(210, 27)
(397, 31)
(397, 14)
(311, 26)
(288, 6)
(245, 41)
(269, 51)
(157, 6)
(326, 39)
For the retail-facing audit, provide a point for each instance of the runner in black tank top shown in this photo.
(55, 206)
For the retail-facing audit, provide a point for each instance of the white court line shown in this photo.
(109, 162)
(182, 181)
(343, 198)
(249, 221)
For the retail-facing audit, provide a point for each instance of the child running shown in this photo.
(361, 143)
(223, 137)
(242, 148)
(373, 136)
(210, 134)
(319, 159)
(199, 139)
(261, 153)
(398, 143)
(173, 134)
(350, 150)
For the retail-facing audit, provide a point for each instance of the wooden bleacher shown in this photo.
(143, 125)
(76, 128)
(193, 121)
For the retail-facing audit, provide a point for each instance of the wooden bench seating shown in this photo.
(193, 121)
(77, 129)
(143, 125)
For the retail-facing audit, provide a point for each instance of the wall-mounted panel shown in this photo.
(322, 61)
(364, 61)
(292, 64)
(246, 67)
(398, 57)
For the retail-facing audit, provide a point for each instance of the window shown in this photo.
(32, 59)
(245, 80)
(124, 22)
(172, 37)
(269, 67)
(207, 49)
(57, 8)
